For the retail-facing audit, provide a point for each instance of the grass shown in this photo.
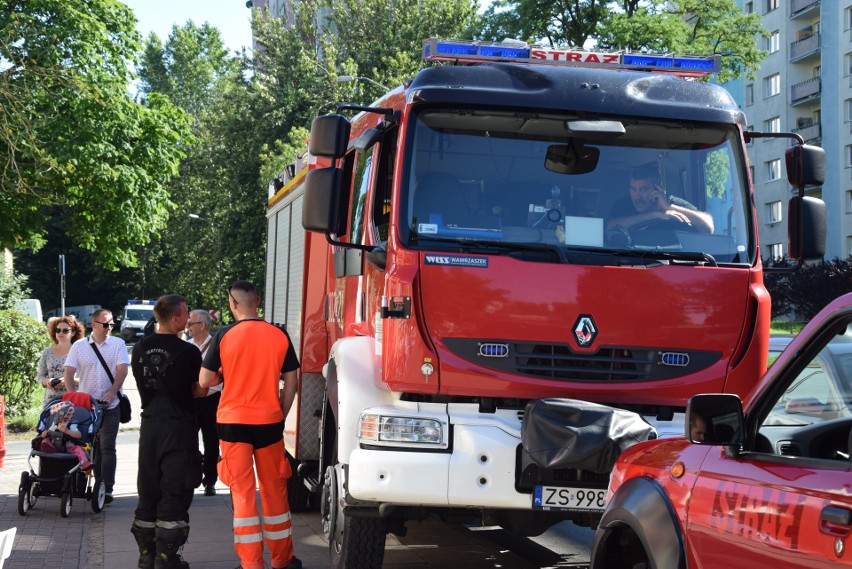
(786, 327)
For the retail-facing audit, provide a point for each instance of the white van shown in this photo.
(134, 317)
(31, 306)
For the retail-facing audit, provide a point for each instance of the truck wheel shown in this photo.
(298, 494)
(353, 542)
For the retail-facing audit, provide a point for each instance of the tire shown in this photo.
(298, 495)
(65, 502)
(353, 542)
(25, 488)
(98, 496)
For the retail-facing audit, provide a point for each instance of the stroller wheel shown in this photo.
(65, 503)
(98, 495)
(66, 498)
(25, 494)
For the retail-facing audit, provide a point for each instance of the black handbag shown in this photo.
(123, 400)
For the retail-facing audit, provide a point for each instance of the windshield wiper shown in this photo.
(492, 244)
(688, 256)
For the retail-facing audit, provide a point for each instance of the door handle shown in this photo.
(839, 516)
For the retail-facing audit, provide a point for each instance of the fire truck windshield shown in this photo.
(482, 176)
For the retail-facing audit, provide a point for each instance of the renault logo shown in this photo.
(585, 330)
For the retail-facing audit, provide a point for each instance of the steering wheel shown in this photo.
(663, 224)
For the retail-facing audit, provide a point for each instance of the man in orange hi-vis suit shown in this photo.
(249, 357)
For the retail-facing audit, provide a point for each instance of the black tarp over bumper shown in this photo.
(567, 433)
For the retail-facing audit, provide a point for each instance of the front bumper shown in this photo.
(477, 470)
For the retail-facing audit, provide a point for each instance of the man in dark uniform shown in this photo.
(166, 370)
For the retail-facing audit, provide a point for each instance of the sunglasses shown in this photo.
(63, 330)
(105, 324)
(232, 296)
(191, 324)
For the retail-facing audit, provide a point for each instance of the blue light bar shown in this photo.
(435, 49)
(646, 60)
(151, 302)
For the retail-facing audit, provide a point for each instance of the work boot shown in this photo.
(169, 542)
(145, 539)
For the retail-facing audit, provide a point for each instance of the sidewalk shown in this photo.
(86, 540)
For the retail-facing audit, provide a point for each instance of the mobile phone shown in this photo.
(54, 381)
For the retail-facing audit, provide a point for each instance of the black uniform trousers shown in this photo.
(206, 408)
(169, 464)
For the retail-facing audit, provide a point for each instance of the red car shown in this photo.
(762, 483)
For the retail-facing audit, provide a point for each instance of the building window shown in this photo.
(772, 85)
(849, 155)
(749, 94)
(776, 251)
(749, 7)
(847, 110)
(771, 5)
(773, 212)
(773, 42)
(772, 125)
(773, 169)
(847, 64)
(847, 18)
(848, 201)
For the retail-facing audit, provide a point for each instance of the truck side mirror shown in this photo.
(715, 419)
(805, 165)
(329, 136)
(806, 228)
(321, 207)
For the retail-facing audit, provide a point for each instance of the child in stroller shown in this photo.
(63, 429)
(66, 450)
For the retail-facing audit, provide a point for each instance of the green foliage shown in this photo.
(72, 135)
(13, 288)
(703, 27)
(717, 171)
(22, 340)
(801, 294)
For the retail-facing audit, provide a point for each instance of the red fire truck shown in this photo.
(482, 321)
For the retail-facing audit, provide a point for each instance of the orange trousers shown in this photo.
(237, 470)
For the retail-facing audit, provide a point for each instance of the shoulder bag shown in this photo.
(123, 400)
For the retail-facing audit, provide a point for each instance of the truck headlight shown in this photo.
(375, 428)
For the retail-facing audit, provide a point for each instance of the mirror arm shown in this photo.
(331, 241)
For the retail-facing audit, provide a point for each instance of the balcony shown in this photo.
(805, 91)
(805, 48)
(799, 8)
(810, 133)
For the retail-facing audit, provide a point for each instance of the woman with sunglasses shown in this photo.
(64, 331)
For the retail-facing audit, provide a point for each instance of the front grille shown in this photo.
(554, 361)
(560, 362)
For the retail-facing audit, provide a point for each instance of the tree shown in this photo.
(803, 293)
(705, 27)
(71, 134)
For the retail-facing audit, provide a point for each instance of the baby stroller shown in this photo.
(60, 473)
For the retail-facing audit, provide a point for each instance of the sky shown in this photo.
(231, 17)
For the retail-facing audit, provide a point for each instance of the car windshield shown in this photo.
(137, 314)
(821, 392)
(551, 181)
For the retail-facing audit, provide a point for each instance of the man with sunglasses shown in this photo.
(94, 380)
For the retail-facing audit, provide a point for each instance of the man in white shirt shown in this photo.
(95, 381)
(198, 328)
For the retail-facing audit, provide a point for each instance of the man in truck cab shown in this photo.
(648, 202)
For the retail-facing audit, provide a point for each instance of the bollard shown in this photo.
(2, 430)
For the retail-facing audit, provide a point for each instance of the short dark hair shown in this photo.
(647, 171)
(244, 286)
(167, 306)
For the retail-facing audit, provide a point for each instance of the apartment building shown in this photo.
(804, 86)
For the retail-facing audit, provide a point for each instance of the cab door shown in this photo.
(787, 501)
